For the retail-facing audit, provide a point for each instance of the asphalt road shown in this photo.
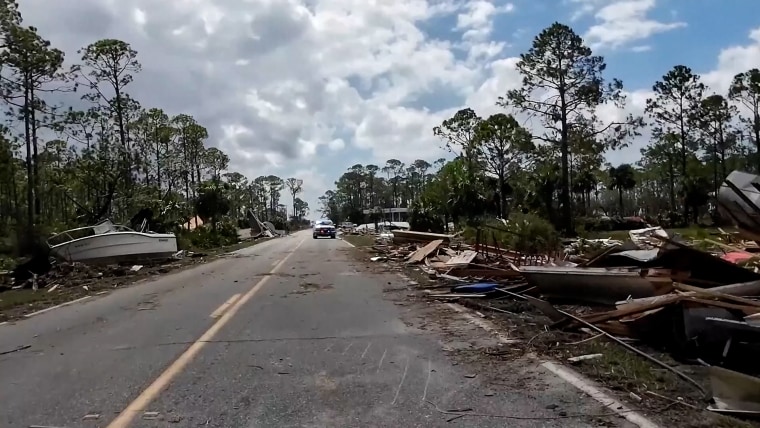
(293, 332)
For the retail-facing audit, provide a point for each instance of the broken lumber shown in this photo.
(421, 253)
(716, 294)
(751, 288)
(632, 309)
(464, 258)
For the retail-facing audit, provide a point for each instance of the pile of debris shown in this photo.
(66, 275)
(661, 291)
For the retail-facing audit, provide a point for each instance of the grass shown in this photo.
(620, 367)
(15, 303)
(625, 372)
(15, 298)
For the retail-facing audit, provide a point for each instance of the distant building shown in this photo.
(391, 214)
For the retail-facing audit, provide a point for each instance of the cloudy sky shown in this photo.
(307, 88)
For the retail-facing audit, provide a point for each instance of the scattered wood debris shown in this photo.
(654, 289)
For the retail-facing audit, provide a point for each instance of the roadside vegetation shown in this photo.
(76, 147)
(552, 179)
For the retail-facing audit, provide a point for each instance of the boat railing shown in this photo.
(84, 232)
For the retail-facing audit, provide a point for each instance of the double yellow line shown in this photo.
(224, 315)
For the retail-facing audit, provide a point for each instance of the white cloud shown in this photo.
(477, 19)
(502, 76)
(641, 48)
(476, 24)
(734, 60)
(582, 8)
(731, 61)
(280, 82)
(337, 144)
(400, 133)
(272, 80)
(621, 22)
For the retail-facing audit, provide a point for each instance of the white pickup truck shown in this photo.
(324, 228)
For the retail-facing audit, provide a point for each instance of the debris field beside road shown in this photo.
(661, 321)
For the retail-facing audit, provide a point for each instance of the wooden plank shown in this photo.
(716, 294)
(751, 288)
(464, 258)
(435, 265)
(631, 309)
(616, 329)
(425, 251)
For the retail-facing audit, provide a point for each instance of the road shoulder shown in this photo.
(471, 340)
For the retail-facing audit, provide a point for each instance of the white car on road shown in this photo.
(324, 228)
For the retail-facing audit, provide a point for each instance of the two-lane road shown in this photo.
(289, 333)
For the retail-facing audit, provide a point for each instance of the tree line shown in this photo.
(106, 155)
(556, 169)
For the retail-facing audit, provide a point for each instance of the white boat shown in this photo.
(107, 242)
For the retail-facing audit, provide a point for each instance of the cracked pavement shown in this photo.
(319, 344)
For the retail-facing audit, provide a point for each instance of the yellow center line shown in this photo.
(223, 307)
(150, 393)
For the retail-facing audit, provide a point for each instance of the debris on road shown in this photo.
(64, 281)
(694, 301)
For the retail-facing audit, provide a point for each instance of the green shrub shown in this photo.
(532, 234)
(526, 233)
(184, 241)
(205, 237)
(426, 221)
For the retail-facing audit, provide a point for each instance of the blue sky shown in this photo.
(702, 29)
(308, 88)
(711, 26)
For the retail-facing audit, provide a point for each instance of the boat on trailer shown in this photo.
(107, 242)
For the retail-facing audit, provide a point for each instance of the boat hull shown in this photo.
(595, 285)
(117, 247)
